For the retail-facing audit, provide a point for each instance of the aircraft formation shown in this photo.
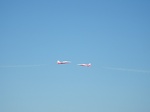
(68, 62)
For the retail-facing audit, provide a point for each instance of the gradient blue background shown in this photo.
(107, 33)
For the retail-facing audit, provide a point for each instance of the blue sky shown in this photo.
(112, 35)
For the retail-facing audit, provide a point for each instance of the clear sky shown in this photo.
(113, 35)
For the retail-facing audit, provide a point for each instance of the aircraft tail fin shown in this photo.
(58, 61)
(89, 64)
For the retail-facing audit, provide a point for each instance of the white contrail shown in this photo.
(127, 69)
(21, 66)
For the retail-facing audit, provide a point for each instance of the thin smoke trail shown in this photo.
(127, 69)
(21, 66)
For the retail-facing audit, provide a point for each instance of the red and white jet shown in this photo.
(63, 62)
(86, 65)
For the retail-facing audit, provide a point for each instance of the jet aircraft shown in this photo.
(63, 62)
(86, 65)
